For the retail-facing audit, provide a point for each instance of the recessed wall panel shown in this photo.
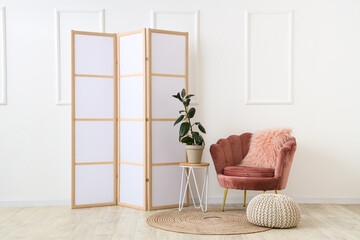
(269, 48)
(3, 82)
(67, 20)
(184, 21)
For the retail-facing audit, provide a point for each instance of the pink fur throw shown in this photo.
(265, 146)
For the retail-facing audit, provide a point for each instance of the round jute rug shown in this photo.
(213, 222)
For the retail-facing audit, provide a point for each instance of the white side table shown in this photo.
(187, 175)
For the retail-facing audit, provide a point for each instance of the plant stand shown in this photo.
(187, 185)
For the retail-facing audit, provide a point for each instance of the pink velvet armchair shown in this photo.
(228, 153)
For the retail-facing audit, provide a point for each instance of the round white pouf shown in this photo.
(274, 211)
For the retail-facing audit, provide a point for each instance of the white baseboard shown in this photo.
(327, 200)
(35, 203)
(211, 200)
(239, 200)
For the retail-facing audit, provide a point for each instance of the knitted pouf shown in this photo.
(273, 210)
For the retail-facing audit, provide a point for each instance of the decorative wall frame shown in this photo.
(3, 58)
(194, 42)
(83, 26)
(248, 80)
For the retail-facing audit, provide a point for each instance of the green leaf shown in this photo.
(189, 96)
(201, 142)
(187, 102)
(201, 128)
(197, 137)
(197, 123)
(184, 128)
(179, 119)
(191, 112)
(178, 97)
(188, 140)
(183, 93)
(181, 111)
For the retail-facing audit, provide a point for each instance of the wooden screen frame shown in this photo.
(147, 77)
(73, 119)
(149, 112)
(143, 31)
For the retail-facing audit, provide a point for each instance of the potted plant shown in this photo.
(193, 140)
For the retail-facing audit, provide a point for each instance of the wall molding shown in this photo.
(211, 200)
(101, 12)
(196, 16)
(301, 200)
(39, 203)
(3, 88)
(248, 99)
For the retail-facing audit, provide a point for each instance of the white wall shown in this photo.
(35, 131)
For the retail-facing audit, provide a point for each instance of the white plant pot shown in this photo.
(194, 153)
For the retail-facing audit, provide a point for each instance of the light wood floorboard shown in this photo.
(319, 221)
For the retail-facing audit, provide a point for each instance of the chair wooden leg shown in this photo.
(276, 191)
(223, 206)
(244, 198)
(264, 191)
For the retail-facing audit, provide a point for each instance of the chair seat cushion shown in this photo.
(244, 171)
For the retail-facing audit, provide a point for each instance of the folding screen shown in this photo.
(94, 112)
(132, 117)
(167, 74)
(125, 148)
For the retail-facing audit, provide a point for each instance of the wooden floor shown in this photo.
(325, 221)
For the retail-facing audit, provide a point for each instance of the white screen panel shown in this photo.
(131, 54)
(132, 97)
(168, 54)
(163, 104)
(165, 185)
(94, 55)
(165, 145)
(94, 184)
(94, 97)
(94, 141)
(131, 188)
(132, 141)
